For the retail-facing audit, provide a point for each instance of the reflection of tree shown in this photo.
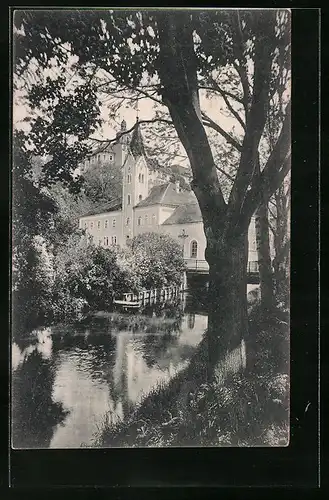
(34, 413)
(155, 347)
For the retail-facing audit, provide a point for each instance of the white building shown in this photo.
(150, 202)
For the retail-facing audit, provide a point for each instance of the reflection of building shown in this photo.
(191, 321)
(150, 202)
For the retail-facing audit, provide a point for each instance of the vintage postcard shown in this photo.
(150, 228)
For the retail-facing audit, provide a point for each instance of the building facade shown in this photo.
(150, 203)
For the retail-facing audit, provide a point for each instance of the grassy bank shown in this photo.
(249, 409)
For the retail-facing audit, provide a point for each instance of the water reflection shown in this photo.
(35, 413)
(71, 377)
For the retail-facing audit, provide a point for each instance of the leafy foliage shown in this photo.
(159, 260)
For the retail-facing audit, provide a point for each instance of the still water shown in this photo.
(69, 379)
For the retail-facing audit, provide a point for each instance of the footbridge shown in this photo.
(201, 267)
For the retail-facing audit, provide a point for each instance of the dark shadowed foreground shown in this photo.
(240, 407)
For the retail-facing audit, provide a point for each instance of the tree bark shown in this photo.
(264, 258)
(228, 317)
(281, 261)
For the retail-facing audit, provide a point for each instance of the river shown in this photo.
(67, 379)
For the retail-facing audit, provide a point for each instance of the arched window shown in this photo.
(128, 199)
(146, 220)
(140, 197)
(129, 178)
(153, 219)
(194, 249)
(86, 225)
(140, 177)
(139, 221)
(111, 157)
(106, 240)
(127, 221)
(114, 240)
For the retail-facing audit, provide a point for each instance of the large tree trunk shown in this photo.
(264, 258)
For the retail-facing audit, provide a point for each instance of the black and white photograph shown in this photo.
(150, 228)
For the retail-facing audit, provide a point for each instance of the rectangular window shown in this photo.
(114, 240)
(91, 225)
(106, 240)
(106, 223)
(129, 178)
(128, 221)
(113, 223)
(128, 199)
(99, 224)
(86, 225)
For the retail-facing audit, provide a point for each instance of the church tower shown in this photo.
(134, 181)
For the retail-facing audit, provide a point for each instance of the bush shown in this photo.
(158, 260)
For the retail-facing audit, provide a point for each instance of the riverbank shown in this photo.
(250, 409)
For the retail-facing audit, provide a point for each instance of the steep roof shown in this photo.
(166, 194)
(185, 214)
(110, 206)
(136, 143)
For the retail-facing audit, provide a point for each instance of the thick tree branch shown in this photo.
(177, 68)
(256, 118)
(268, 182)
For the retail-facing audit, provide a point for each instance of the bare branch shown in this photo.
(106, 142)
(225, 173)
(216, 88)
(210, 123)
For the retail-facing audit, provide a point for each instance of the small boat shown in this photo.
(128, 303)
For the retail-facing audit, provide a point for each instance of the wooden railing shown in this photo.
(152, 295)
